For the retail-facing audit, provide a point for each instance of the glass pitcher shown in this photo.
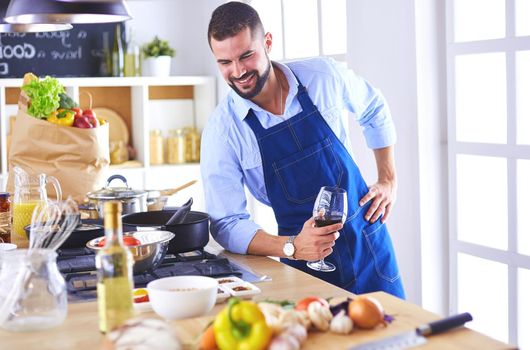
(33, 294)
(29, 192)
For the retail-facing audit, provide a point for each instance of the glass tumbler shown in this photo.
(33, 296)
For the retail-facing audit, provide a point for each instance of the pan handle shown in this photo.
(172, 191)
(444, 324)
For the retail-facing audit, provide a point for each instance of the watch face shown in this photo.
(288, 249)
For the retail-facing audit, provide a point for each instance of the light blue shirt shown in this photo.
(230, 156)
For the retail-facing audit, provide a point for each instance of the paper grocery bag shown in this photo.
(78, 158)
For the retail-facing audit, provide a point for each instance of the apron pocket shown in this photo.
(302, 174)
(378, 241)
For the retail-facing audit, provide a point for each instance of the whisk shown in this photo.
(52, 224)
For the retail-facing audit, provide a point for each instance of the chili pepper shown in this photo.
(240, 326)
(62, 117)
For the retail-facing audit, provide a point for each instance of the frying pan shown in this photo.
(192, 234)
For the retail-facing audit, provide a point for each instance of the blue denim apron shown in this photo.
(299, 156)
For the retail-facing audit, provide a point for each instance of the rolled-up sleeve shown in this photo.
(226, 203)
(369, 108)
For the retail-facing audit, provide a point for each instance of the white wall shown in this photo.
(184, 24)
(381, 48)
(399, 47)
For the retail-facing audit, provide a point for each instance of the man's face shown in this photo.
(243, 62)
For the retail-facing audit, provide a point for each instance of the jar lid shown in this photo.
(5, 194)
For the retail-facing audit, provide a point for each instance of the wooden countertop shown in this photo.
(80, 330)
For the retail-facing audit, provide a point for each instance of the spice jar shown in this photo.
(5, 218)
(156, 143)
(176, 147)
(193, 145)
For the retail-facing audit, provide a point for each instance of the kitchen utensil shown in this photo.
(52, 224)
(133, 201)
(83, 232)
(157, 199)
(172, 191)
(180, 214)
(148, 255)
(190, 235)
(416, 337)
(181, 297)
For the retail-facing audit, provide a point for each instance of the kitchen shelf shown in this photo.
(144, 103)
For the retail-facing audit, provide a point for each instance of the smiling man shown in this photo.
(279, 132)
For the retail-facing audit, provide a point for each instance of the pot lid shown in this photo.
(116, 192)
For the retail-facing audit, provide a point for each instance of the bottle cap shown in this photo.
(5, 194)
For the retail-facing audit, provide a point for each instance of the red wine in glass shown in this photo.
(331, 207)
(322, 221)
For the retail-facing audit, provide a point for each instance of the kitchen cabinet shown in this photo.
(144, 103)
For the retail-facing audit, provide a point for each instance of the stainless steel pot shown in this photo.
(133, 201)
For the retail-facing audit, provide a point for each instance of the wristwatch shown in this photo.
(289, 248)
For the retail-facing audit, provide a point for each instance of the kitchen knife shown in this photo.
(416, 337)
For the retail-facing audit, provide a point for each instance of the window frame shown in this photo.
(511, 151)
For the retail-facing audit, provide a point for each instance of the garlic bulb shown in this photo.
(319, 315)
(341, 323)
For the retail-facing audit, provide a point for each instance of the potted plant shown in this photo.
(157, 58)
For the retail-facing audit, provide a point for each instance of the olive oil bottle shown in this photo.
(114, 271)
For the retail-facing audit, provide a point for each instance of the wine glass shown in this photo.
(331, 207)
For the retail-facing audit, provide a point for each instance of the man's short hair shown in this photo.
(231, 18)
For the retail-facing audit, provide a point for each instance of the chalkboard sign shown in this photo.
(79, 52)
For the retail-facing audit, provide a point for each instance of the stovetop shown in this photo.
(78, 268)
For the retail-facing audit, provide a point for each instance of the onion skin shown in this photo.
(366, 312)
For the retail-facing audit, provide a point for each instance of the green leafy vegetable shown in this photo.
(44, 95)
(285, 304)
(66, 101)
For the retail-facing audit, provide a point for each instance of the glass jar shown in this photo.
(118, 152)
(5, 218)
(156, 143)
(193, 145)
(176, 147)
(33, 291)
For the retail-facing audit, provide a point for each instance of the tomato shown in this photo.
(140, 295)
(129, 241)
(302, 304)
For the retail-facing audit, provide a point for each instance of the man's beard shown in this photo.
(260, 82)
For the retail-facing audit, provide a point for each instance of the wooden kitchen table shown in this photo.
(80, 330)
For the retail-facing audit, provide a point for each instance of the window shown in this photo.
(304, 28)
(488, 65)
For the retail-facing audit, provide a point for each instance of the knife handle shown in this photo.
(444, 324)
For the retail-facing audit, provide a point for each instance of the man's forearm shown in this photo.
(264, 243)
(386, 169)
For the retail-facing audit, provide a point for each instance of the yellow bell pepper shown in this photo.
(63, 117)
(241, 326)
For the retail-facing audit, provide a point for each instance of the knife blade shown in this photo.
(417, 337)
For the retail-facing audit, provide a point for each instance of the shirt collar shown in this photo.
(241, 106)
